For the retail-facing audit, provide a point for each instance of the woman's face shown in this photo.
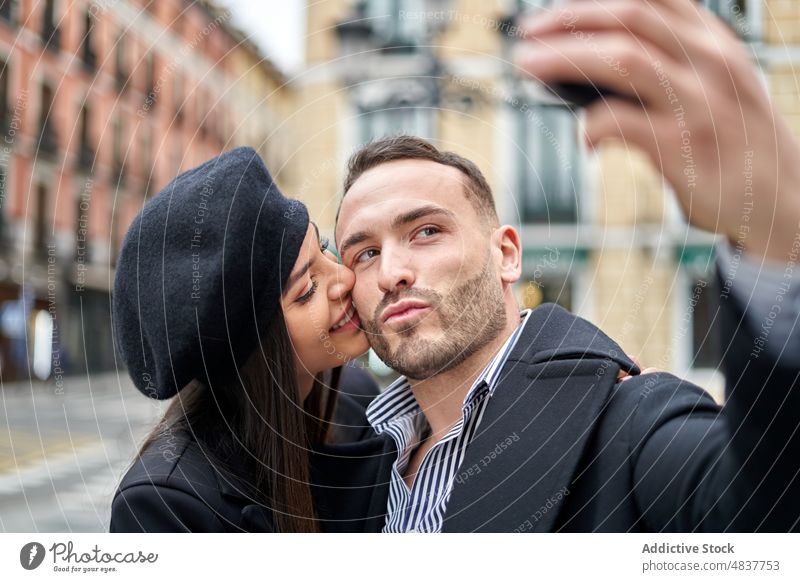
(318, 308)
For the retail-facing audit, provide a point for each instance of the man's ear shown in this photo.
(508, 248)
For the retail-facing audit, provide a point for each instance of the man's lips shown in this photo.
(403, 311)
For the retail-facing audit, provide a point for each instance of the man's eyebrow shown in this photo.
(420, 212)
(397, 221)
(354, 239)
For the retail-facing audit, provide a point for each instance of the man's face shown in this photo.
(428, 289)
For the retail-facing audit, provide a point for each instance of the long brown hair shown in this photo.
(258, 417)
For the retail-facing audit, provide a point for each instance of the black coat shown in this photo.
(653, 453)
(175, 488)
(563, 446)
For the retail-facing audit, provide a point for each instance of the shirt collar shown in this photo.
(398, 401)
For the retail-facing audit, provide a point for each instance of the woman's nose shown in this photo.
(343, 282)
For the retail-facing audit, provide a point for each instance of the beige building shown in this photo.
(602, 234)
(261, 98)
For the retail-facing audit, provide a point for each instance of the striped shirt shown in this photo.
(397, 413)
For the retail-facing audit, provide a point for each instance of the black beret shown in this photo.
(201, 271)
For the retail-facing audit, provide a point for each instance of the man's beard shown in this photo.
(471, 316)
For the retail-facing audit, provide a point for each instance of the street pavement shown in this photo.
(63, 454)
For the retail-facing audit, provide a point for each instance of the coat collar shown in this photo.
(553, 333)
(519, 466)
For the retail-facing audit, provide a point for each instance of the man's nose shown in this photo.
(395, 270)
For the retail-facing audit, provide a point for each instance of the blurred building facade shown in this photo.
(103, 103)
(602, 234)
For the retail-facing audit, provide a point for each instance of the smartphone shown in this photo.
(577, 95)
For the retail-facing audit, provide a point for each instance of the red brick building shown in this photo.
(101, 104)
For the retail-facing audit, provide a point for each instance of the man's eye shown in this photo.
(366, 255)
(426, 232)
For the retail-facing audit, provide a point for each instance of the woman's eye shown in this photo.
(308, 294)
(366, 255)
(324, 242)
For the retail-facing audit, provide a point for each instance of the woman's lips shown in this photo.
(354, 323)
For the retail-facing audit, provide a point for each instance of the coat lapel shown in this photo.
(519, 466)
(376, 517)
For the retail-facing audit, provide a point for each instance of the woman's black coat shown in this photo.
(174, 487)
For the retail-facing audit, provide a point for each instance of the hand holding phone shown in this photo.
(679, 85)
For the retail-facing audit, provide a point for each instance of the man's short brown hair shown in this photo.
(408, 147)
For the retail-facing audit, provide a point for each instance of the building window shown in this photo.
(95, 352)
(114, 234)
(177, 157)
(40, 237)
(82, 210)
(396, 120)
(389, 107)
(550, 275)
(202, 113)
(397, 22)
(4, 234)
(147, 169)
(48, 142)
(50, 32)
(87, 53)
(118, 155)
(150, 76)
(5, 118)
(549, 162)
(119, 62)
(213, 122)
(85, 149)
(551, 288)
(177, 98)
